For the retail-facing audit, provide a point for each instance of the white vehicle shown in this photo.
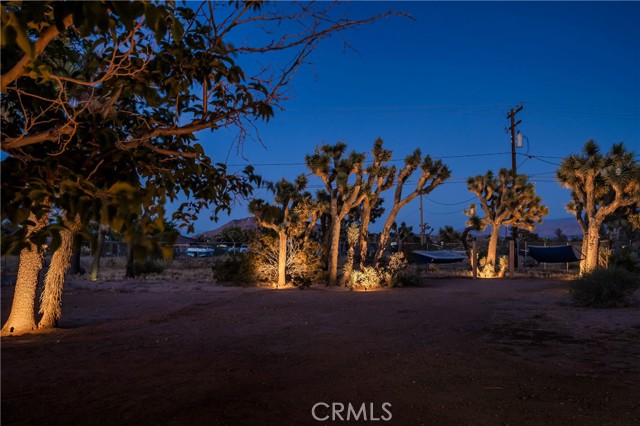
(242, 249)
(200, 252)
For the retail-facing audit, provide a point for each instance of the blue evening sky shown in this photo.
(444, 82)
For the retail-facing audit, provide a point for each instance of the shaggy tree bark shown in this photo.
(490, 263)
(51, 298)
(353, 233)
(22, 316)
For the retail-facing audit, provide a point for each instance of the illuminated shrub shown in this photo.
(303, 261)
(365, 279)
(397, 273)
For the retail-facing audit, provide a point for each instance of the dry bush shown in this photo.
(365, 279)
(303, 265)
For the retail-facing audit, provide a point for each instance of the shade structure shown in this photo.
(439, 256)
(555, 254)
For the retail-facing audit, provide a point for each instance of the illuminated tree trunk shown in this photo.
(22, 316)
(591, 242)
(51, 299)
(353, 234)
(386, 230)
(364, 233)
(334, 250)
(282, 258)
(490, 265)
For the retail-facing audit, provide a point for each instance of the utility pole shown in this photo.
(512, 117)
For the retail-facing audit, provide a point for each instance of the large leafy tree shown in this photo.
(506, 200)
(89, 88)
(600, 185)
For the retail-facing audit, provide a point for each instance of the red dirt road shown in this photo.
(453, 352)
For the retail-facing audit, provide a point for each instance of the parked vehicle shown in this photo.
(241, 249)
(200, 252)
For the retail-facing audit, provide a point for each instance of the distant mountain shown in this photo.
(244, 223)
(569, 226)
(547, 229)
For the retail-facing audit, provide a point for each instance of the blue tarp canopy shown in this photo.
(555, 254)
(440, 256)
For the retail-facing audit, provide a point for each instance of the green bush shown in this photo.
(605, 288)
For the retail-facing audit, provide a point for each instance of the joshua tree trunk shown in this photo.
(51, 298)
(22, 316)
(386, 230)
(282, 258)
(364, 233)
(490, 264)
(334, 252)
(591, 243)
(353, 234)
(97, 254)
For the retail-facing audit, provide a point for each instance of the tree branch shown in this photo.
(18, 69)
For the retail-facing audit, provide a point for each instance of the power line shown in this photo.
(451, 204)
(441, 157)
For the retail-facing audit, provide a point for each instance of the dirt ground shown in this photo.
(452, 352)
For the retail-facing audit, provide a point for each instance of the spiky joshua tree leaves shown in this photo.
(505, 200)
(600, 185)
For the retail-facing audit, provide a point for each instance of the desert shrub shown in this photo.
(503, 266)
(605, 288)
(237, 269)
(303, 264)
(366, 278)
(397, 273)
(625, 259)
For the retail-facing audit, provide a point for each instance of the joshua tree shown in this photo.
(282, 218)
(600, 185)
(380, 178)
(432, 174)
(505, 200)
(335, 171)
